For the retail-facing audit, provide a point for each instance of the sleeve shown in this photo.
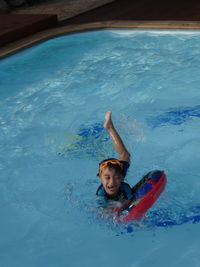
(126, 165)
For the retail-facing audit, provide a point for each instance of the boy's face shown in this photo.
(111, 180)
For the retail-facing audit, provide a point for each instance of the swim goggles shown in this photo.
(105, 164)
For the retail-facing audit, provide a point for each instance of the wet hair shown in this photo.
(111, 163)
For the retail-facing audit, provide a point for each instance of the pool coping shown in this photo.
(64, 30)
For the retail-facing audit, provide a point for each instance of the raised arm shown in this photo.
(118, 144)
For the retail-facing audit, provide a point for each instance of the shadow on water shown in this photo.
(153, 220)
(85, 143)
(91, 141)
(176, 116)
(164, 218)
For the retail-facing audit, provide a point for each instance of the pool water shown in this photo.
(53, 98)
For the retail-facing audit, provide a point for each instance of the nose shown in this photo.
(112, 181)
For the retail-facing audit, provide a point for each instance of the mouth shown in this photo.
(112, 189)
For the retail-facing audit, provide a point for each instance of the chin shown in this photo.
(112, 194)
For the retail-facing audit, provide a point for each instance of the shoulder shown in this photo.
(100, 191)
(125, 186)
(126, 164)
(127, 190)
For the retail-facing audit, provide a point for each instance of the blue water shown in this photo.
(53, 98)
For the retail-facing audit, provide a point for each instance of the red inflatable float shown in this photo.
(146, 192)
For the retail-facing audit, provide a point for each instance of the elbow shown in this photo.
(125, 156)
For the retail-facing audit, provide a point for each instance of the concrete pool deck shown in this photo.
(117, 14)
(26, 20)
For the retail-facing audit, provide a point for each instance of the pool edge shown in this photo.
(64, 30)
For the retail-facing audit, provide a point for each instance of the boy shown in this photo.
(113, 171)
